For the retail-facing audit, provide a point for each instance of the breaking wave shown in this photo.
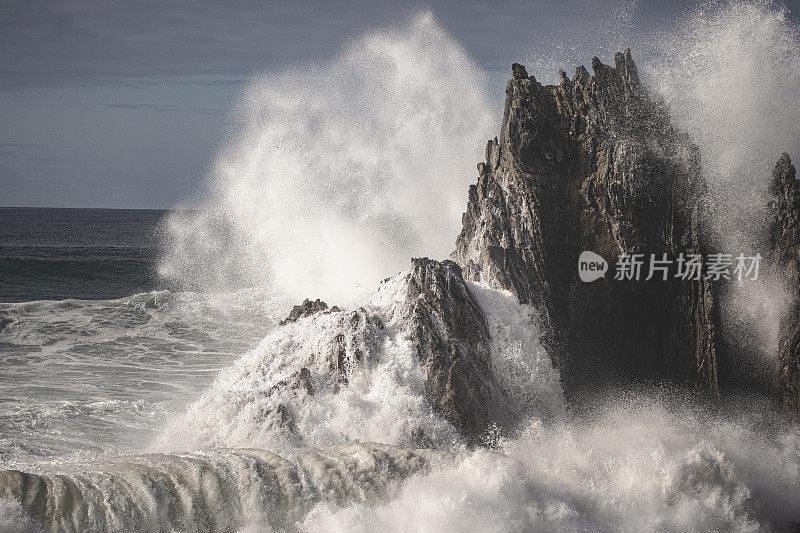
(337, 173)
(633, 465)
(263, 400)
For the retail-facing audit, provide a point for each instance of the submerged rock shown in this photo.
(785, 236)
(594, 164)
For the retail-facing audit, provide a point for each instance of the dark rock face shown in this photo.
(450, 332)
(594, 164)
(785, 233)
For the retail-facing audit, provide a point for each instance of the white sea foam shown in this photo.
(634, 466)
(384, 399)
(85, 378)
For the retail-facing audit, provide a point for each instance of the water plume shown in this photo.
(337, 172)
(734, 86)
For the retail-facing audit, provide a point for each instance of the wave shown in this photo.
(288, 392)
(337, 173)
(214, 491)
(92, 378)
(633, 465)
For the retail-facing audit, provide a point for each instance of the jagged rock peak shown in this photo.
(518, 72)
(594, 164)
(785, 230)
(433, 308)
(308, 308)
(785, 234)
(452, 339)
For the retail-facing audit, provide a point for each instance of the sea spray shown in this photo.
(336, 173)
(364, 380)
(632, 464)
(730, 75)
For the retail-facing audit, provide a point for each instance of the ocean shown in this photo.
(147, 382)
(87, 254)
(97, 351)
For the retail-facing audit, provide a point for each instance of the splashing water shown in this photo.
(338, 173)
(734, 85)
(635, 466)
(384, 399)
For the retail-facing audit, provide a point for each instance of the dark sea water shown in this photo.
(92, 254)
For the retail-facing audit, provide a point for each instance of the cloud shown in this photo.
(21, 145)
(49, 42)
(52, 41)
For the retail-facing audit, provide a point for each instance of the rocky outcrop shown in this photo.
(785, 236)
(594, 164)
(427, 316)
(307, 308)
(451, 337)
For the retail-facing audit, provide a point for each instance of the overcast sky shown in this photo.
(121, 104)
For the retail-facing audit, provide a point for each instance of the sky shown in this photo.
(118, 104)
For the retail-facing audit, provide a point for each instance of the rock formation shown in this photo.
(449, 330)
(594, 164)
(432, 306)
(307, 308)
(591, 164)
(785, 233)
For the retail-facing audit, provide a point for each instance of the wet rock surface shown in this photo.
(308, 308)
(452, 340)
(785, 236)
(594, 164)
